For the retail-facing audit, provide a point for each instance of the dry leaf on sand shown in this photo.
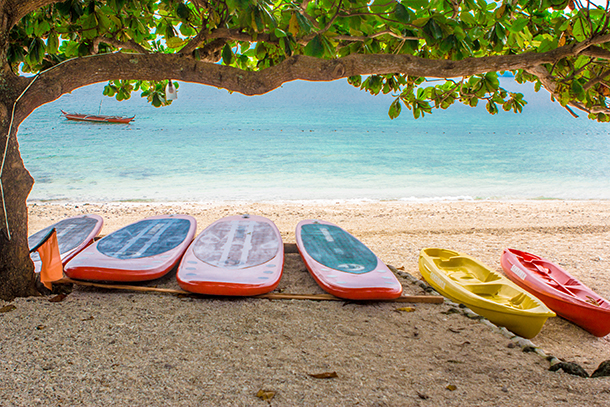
(7, 308)
(265, 394)
(325, 375)
(58, 298)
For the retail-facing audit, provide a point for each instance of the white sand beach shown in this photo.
(101, 347)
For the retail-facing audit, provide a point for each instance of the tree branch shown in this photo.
(596, 52)
(17, 9)
(549, 84)
(355, 38)
(596, 80)
(131, 44)
(80, 72)
(194, 43)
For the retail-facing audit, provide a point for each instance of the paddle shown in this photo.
(430, 299)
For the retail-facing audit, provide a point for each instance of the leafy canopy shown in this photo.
(259, 34)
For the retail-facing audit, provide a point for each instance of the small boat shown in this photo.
(98, 118)
(463, 279)
(561, 292)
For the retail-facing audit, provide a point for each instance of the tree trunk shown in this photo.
(16, 267)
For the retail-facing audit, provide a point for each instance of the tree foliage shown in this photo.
(260, 34)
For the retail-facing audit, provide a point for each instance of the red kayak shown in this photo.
(561, 292)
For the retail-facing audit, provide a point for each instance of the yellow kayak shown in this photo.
(463, 279)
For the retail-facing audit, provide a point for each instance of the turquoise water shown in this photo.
(310, 141)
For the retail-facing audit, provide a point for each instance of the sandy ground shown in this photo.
(103, 347)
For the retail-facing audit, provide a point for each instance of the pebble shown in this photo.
(603, 369)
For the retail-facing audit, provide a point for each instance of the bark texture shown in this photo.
(16, 268)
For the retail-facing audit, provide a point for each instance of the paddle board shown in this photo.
(342, 265)
(142, 251)
(73, 235)
(238, 255)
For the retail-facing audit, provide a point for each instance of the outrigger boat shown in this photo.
(97, 118)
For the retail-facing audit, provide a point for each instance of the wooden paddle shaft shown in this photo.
(431, 299)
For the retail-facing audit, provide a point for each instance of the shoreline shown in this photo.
(275, 345)
(322, 201)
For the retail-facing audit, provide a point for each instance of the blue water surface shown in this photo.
(310, 141)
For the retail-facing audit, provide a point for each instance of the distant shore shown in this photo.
(249, 345)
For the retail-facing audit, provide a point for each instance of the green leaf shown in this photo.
(109, 90)
(468, 18)
(355, 80)
(36, 51)
(577, 90)
(433, 29)
(15, 54)
(417, 4)
(395, 109)
(186, 30)
(421, 22)
(547, 45)
(52, 43)
(580, 30)
(156, 100)
(314, 48)
(227, 54)
(42, 28)
(518, 25)
(491, 107)
(174, 42)
(183, 12)
(286, 46)
(416, 112)
(373, 84)
(402, 14)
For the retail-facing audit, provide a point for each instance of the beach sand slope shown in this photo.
(104, 347)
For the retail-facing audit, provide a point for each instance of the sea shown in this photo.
(310, 141)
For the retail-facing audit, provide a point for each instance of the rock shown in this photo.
(570, 368)
(506, 333)
(451, 311)
(602, 370)
(522, 342)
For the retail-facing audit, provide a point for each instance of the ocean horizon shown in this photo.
(310, 142)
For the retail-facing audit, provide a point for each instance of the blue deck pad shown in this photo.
(145, 238)
(335, 248)
(70, 233)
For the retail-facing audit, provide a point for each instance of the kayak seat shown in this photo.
(464, 270)
(503, 294)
